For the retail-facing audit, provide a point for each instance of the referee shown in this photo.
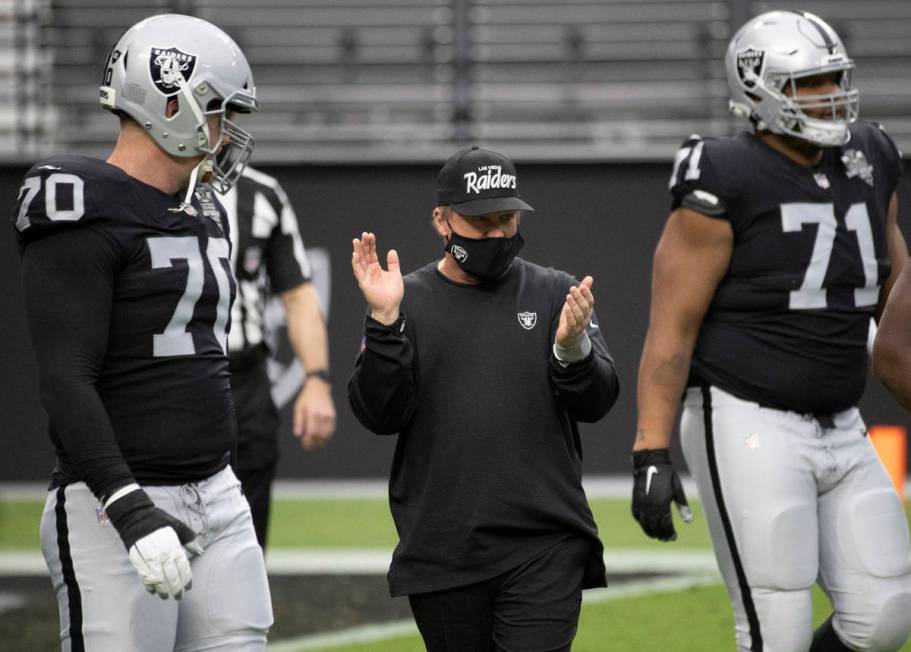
(268, 257)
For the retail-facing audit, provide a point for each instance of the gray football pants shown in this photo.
(103, 604)
(788, 503)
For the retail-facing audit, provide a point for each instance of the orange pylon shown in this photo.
(891, 444)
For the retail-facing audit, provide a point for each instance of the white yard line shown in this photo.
(598, 486)
(375, 561)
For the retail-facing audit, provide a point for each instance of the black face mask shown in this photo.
(486, 259)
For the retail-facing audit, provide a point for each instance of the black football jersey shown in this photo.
(788, 324)
(164, 377)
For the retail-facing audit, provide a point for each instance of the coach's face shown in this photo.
(502, 224)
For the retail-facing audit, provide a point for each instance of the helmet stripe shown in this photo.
(830, 44)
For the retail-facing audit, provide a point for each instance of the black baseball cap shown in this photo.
(477, 181)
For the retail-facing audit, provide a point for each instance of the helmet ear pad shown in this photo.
(764, 63)
(166, 72)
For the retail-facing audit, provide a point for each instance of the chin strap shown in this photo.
(191, 186)
(205, 165)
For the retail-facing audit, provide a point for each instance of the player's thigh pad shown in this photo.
(875, 532)
(760, 485)
(103, 604)
(229, 607)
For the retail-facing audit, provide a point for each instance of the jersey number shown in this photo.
(175, 340)
(32, 185)
(811, 293)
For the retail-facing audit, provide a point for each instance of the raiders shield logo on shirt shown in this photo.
(166, 64)
(528, 320)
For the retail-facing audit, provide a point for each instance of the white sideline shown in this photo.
(603, 486)
(375, 561)
(596, 486)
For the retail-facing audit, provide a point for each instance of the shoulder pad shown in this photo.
(694, 183)
(62, 191)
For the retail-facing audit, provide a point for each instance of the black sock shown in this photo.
(826, 640)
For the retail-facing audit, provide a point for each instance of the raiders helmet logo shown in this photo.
(749, 66)
(165, 66)
(528, 319)
(459, 253)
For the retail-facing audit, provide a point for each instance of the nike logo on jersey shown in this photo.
(652, 470)
(592, 324)
(48, 167)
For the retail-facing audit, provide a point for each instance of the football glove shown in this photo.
(655, 484)
(157, 542)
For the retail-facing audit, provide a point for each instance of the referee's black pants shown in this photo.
(531, 608)
(257, 434)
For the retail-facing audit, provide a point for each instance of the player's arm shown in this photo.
(892, 348)
(68, 284)
(382, 389)
(581, 368)
(690, 260)
(897, 251)
(314, 410)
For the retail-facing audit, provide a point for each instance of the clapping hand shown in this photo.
(576, 313)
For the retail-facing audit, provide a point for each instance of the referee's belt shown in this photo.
(248, 358)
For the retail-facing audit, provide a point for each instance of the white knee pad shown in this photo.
(876, 534)
(888, 630)
(780, 552)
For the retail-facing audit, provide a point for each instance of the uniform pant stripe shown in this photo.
(745, 593)
(77, 644)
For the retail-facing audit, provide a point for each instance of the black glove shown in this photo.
(655, 484)
(135, 516)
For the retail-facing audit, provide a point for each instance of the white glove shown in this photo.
(157, 542)
(162, 563)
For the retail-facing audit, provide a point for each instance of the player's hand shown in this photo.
(383, 288)
(655, 485)
(157, 543)
(314, 414)
(576, 313)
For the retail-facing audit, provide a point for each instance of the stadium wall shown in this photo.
(598, 219)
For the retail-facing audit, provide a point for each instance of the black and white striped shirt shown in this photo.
(267, 256)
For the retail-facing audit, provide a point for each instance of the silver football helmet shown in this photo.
(767, 57)
(174, 57)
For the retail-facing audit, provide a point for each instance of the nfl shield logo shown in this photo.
(749, 66)
(165, 66)
(528, 320)
(460, 254)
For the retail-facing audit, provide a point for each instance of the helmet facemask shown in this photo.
(820, 119)
(229, 156)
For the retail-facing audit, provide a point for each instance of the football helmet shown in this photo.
(174, 57)
(769, 54)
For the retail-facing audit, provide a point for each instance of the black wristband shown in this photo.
(322, 374)
(651, 456)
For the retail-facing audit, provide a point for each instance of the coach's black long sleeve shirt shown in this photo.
(488, 463)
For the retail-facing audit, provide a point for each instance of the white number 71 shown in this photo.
(811, 293)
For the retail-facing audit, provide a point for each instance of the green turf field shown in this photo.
(693, 619)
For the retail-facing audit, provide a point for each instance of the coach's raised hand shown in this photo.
(382, 288)
(155, 541)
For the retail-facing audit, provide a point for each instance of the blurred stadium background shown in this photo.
(362, 101)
